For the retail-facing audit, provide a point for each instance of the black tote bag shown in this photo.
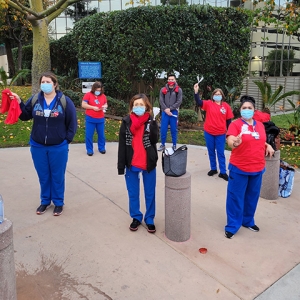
(175, 164)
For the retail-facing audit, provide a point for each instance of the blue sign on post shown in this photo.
(90, 69)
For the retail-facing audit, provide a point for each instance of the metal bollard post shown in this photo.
(270, 180)
(7, 270)
(178, 207)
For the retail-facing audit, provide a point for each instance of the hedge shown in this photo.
(136, 44)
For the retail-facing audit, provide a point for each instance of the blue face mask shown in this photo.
(47, 87)
(139, 110)
(97, 93)
(217, 97)
(247, 113)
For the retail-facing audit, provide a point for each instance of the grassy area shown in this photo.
(17, 135)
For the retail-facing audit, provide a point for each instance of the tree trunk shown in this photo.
(10, 60)
(41, 52)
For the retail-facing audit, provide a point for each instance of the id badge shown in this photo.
(47, 112)
(255, 135)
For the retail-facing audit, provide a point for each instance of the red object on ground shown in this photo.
(202, 250)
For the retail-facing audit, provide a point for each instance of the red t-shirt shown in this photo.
(216, 116)
(249, 156)
(94, 100)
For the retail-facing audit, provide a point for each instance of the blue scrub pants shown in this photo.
(216, 143)
(242, 198)
(90, 127)
(132, 179)
(167, 120)
(50, 163)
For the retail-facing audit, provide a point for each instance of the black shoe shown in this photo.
(41, 209)
(134, 225)
(253, 228)
(57, 210)
(224, 176)
(212, 172)
(102, 152)
(229, 235)
(90, 154)
(151, 228)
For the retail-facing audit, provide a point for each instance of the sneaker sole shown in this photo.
(133, 229)
(40, 213)
(57, 214)
(254, 230)
(151, 231)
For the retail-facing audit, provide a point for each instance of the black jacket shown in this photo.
(125, 150)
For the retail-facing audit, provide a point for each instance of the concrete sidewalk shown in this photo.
(89, 252)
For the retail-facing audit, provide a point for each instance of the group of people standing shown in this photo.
(55, 124)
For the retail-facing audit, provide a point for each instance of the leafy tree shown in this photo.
(273, 63)
(39, 13)
(139, 43)
(285, 17)
(15, 30)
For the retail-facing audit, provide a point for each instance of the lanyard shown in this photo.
(254, 123)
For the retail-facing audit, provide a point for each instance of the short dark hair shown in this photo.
(171, 74)
(246, 98)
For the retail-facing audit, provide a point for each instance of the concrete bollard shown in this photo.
(178, 207)
(270, 180)
(7, 270)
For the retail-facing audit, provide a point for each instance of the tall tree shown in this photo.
(15, 30)
(39, 13)
(286, 17)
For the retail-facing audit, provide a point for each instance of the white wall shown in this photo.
(3, 62)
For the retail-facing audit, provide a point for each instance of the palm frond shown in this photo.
(275, 95)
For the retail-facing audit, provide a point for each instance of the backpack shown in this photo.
(272, 131)
(286, 179)
(63, 100)
(165, 90)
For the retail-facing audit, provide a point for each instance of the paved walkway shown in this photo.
(89, 252)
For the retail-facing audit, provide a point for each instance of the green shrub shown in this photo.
(76, 97)
(117, 107)
(187, 117)
(192, 49)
